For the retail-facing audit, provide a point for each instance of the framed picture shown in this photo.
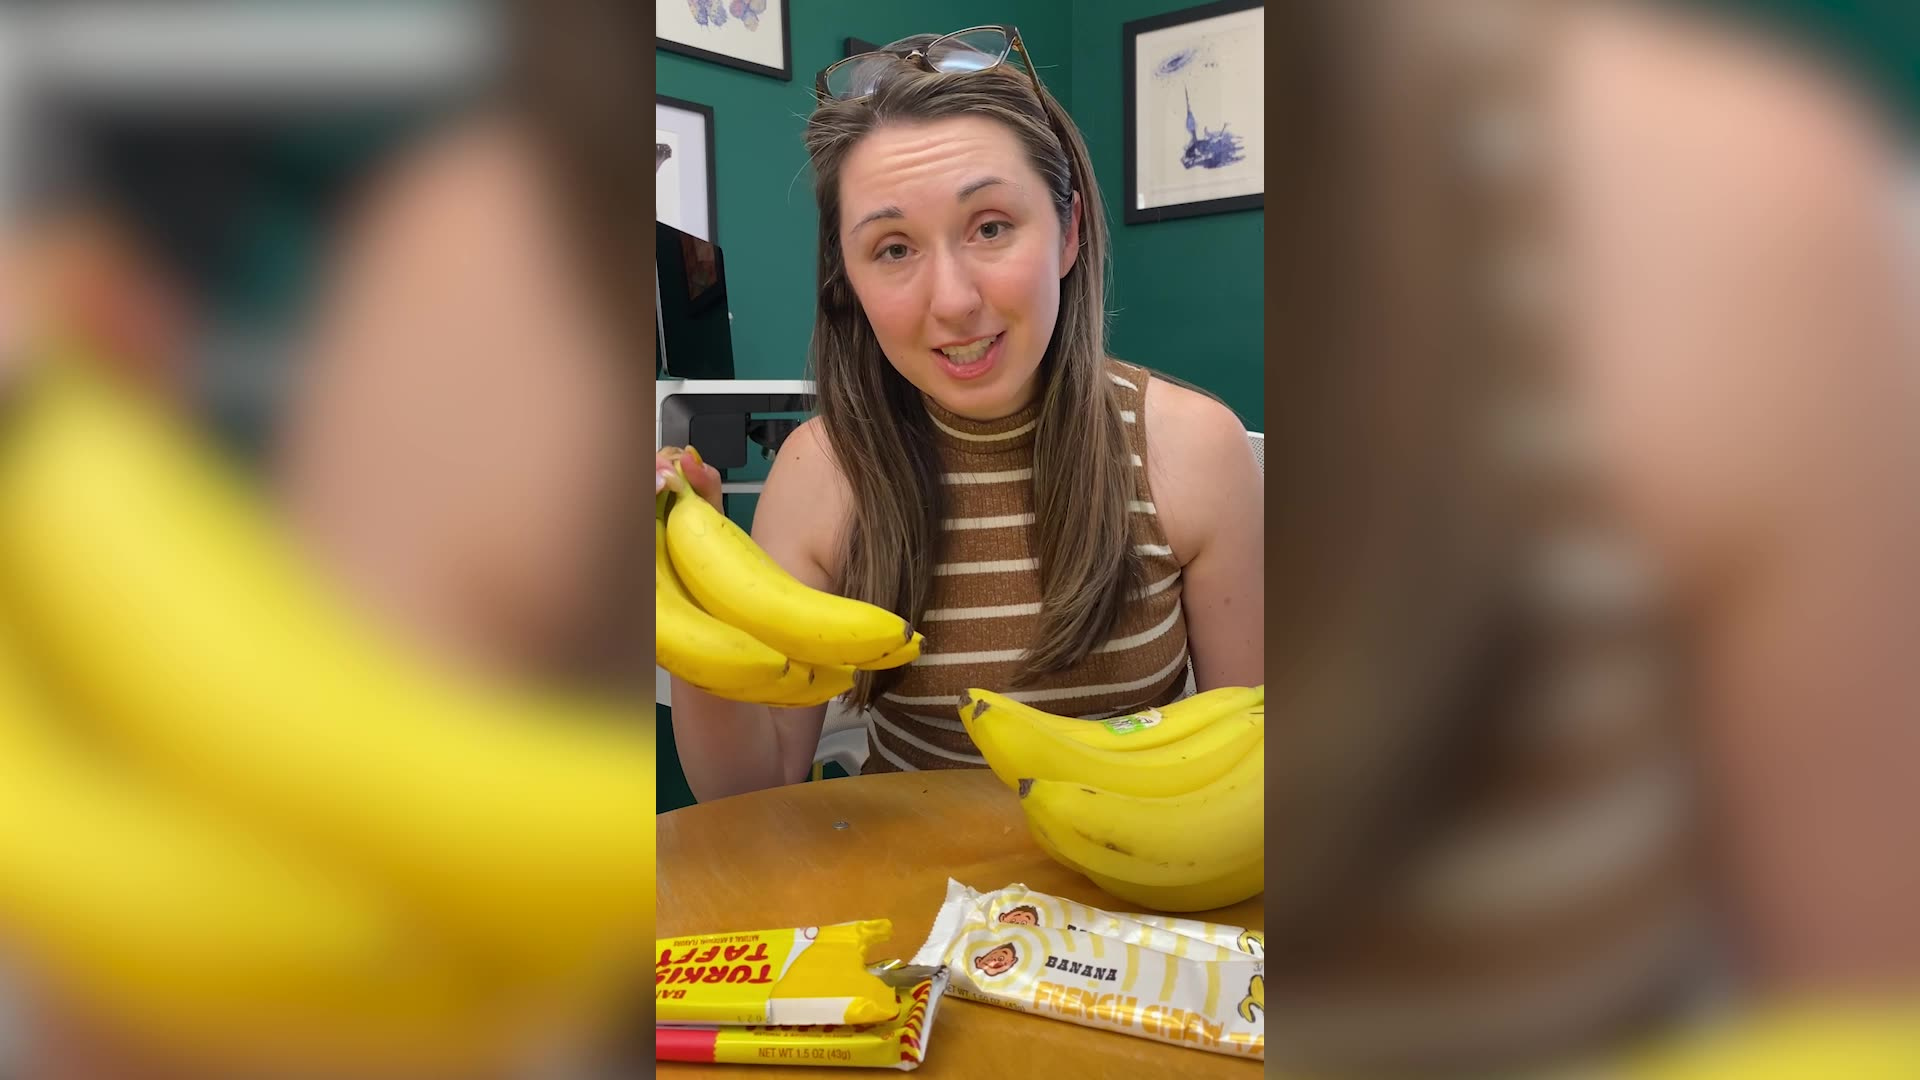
(1195, 105)
(683, 175)
(751, 35)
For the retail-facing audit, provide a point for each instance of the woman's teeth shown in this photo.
(967, 354)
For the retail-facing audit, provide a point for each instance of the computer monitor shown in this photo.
(694, 325)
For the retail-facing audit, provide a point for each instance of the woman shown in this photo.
(1052, 519)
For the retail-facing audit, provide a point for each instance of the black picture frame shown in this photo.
(1130, 198)
(855, 46)
(713, 166)
(784, 72)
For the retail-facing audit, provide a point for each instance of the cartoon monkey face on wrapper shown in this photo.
(996, 961)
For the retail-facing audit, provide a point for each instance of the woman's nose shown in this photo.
(955, 295)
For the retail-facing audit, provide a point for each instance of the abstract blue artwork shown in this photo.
(1195, 83)
(1209, 149)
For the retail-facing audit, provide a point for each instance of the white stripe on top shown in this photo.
(1002, 656)
(972, 437)
(996, 611)
(1003, 521)
(1153, 549)
(991, 566)
(1121, 382)
(1061, 694)
(944, 723)
(989, 656)
(878, 744)
(1157, 587)
(1134, 641)
(986, 477)
(919, 743)
(1008, 611)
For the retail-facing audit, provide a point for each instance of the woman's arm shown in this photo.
(1208, 494)
(1748, 353)
(727, 747)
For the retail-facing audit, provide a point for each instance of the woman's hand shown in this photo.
(704, 477)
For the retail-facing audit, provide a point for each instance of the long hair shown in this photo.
(878, 429)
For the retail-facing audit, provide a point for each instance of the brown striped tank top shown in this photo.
(985, 605)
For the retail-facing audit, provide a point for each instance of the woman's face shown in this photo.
(956, 254)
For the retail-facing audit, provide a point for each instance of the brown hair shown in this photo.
(878, 429)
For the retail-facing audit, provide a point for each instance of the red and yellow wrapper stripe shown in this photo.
(899, 1043)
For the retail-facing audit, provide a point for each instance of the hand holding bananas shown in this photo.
(237, 817)
(731, 622)
(1165, 809)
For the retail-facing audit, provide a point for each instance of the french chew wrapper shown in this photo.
(1201, 986)
(786, 978)
(899, 1043)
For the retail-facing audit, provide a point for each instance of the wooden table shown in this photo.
(776, 858)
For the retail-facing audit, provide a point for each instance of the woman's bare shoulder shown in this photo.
(1200, 463)
(805, 506)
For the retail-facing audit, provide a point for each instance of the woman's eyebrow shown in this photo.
(881, 214)
(967, 191)
(972, 188)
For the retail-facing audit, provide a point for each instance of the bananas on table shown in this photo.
(231, 809)
(731, 622)
(1164, 809)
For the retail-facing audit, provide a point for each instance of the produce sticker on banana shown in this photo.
(788, 977)
(1206, 996)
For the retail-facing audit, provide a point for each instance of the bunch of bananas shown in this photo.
(732, 622)
(1165, 810)
(240, 824)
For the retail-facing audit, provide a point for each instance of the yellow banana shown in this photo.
(736, 583)
(1180, 840)
(1230, 888)
(802, 687)
(1241, 883)
(1017, 749)
(700, 648)
(178, 927)
(1171, 723)
(900, 657)
(199, 646)
(829, 682)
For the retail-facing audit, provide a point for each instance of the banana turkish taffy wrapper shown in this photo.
(808, 975)
(1087, 978)
(900, 1043)
(1181, 937)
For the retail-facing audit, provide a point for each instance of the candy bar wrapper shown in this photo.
(900, 1043)
(807, 975)
(1181, 937)
(1216, 1004)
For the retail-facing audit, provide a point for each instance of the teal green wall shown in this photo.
(1879, 40)
(1164, 275)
